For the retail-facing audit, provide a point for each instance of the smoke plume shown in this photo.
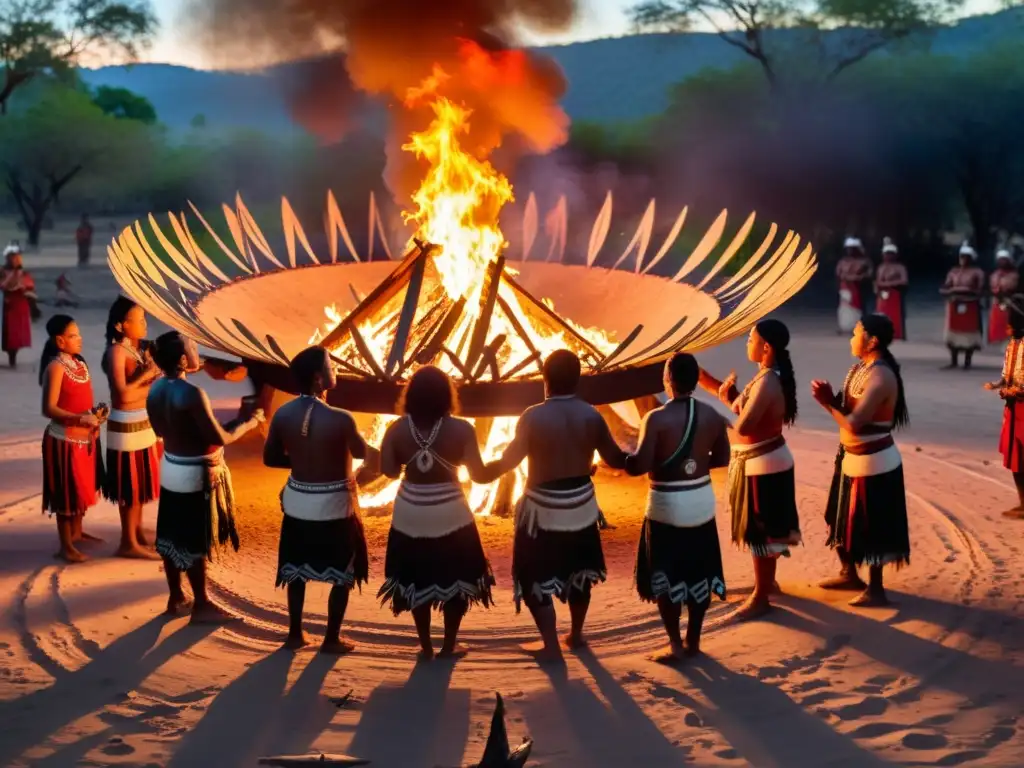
(390, 48)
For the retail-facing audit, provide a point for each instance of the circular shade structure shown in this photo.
(381, 319)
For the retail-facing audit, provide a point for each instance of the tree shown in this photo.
(52, 36)
(124, 104)
(61, 138)
(777, 33)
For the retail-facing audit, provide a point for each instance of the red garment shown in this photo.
(963, 316)
(890, 304)
(83, 234)
(17, 315)
(75, 396)
(72, 468)
(855, 298)
(998, 318)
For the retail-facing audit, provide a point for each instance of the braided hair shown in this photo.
(776, 335)
(880, 328)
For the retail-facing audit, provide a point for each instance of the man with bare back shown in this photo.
(322, 536)
(557, 549)
(196, 512)
(679, 559)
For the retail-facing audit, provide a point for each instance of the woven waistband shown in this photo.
(332, 487)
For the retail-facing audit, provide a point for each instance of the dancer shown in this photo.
(72, 465)
(1003, 284)
(867, 503)
(19, 293)
(853, 270)
(196, 510)
(962, 289)
(891, 287)
(434, 558)
(133, 453)
(1010, 387)
(679, 559)
(762, 484)
(322, 536)
(557, 548)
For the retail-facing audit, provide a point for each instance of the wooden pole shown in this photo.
(412, 299)
(488, 296)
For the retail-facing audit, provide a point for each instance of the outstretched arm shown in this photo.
(359, 448)
(517, 450)
(609, 450)
(479, 472)
(213, 432)
(389, 462)
(642, 462)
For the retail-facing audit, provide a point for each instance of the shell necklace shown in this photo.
(857, 378)
(424, 457)
(75, 370)
(132, 351)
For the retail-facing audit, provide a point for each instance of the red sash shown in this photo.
(998, 318)
(890, 304)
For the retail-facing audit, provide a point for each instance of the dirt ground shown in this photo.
(91, 675)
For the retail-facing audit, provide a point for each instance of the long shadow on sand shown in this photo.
(233, 729)
(415, 725)
(760, 720)
(606, 736)
(305, 712)
(121, 666)
(977, 679)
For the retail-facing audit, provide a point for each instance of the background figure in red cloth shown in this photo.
(1011, 389)
(83, 238)
(19, 295)
(853, 270)
(72, 465)
(1003, 284)
(891, 287)
(962, 289)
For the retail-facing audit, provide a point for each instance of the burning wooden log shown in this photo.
(412, 299)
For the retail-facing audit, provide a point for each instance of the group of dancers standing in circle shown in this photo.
(165, 442)
(966, 328)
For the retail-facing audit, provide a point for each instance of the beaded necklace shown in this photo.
(132, 351)
(75, 370)
(424, 458)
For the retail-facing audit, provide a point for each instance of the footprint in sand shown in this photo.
(117, 747)
(937, 720)
(924, 741)
(693, 720)
(810, 685)
(870, 706)
(874, 730)
(727, 754)
(999, 735)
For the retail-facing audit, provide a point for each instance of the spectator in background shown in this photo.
(83, 237)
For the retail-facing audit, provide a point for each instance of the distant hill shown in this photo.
(612, 79)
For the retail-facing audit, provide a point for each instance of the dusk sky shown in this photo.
(599, 18)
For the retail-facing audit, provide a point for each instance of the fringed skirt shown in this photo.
(133, 459)
(762, 498)
(72, 473)
(197, 509)
(557, 548)
(679, 555)
(322, 537)
(434, 554)
(867, 507)
(963, 325)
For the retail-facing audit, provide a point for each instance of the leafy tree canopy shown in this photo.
(124, 104)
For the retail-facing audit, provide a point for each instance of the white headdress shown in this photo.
(12, 247)
(888, 246)
(1004, 253)
(853, 242)
(966, 250)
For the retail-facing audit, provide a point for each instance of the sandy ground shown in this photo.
(91, 675)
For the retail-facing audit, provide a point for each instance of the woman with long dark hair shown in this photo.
(72, 465)
(133, 451)
(762, 485)
(434, 557)
(867, 503)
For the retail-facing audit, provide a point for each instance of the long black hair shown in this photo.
(55, 326)
(880, 328)
(168, 351)
(776, 335)
(430, 395)
(118, 312)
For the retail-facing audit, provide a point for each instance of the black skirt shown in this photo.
(554, 563)
(867, 517)
(331, 551)
(772, 520)
(190, 527)
(434, 571)
(132, 477)
(684, 564)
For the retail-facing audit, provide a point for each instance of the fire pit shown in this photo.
(454, 299)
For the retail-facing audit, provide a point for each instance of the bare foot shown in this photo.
(670, 654)
(691, 649)
(90, 538)
(136, 553)
(425, 654)
(776, 589)
(542, 653)
(70, 555)
(337, 647)
(870, 598)
(753, 608)
(178, 605)
(295, 642)
(844, 582)
(455, 652)
(142, 539)
(1017, 513)
(572, 642)
(208, 613)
